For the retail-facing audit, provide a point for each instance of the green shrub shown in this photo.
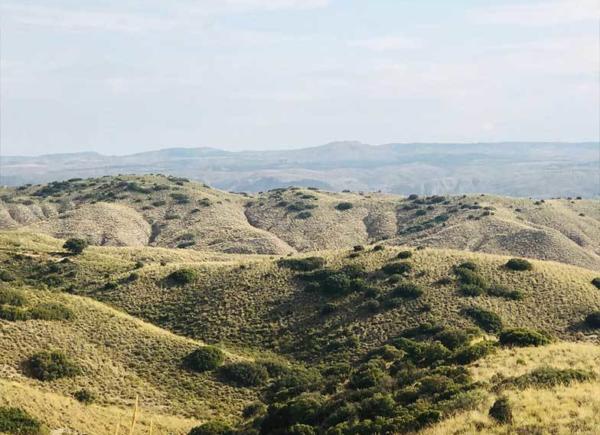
(51, 365)
(180, 198)
(304, 215)
(302, 264)
(12, 297)
(212, 428)
(378, 248)
(518, 264)
(396, 268)
(182, 276)
(596, 282)
(468, 276)
(420, 212)
(452, 338)
(84, 396)
(7, 276)
(403, 255)
(471, 290)
(503, 292)
(359, 248)
(486, 320)
(408, 291)
(593, 320)
(369, 375)
(522, 337)
(342, 206)
(204, 359)
(17, 421)
(301, 429)
(472, 353)
(245, 374)
(501, 411)
(75, 245)
(13, 314)
(548, 377)
(467, 265)
(51, 311)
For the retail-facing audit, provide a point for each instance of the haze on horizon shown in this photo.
(126, 76)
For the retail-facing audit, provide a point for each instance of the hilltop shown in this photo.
(300, 313)
(154, 210)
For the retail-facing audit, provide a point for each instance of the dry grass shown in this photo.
(63, 413)
(109, 213)
(573, 409)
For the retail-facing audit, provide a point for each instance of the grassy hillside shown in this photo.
(352, 308)
(171, 212)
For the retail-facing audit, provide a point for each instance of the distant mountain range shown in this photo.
(540, 169)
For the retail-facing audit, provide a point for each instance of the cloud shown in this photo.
(270, 5)
(540, 13)
(387, 43)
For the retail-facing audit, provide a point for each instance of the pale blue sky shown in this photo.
(122, 76)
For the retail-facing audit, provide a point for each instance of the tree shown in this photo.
(75, 245)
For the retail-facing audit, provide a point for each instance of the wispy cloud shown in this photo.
(540, 13)
(387, 43)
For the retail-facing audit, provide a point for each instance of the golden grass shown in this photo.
(573, 409)
(59, 412)
(217, 221)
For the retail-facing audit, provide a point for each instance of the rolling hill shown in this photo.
(301, 313)
(154, 210)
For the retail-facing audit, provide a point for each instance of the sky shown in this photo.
(125, 76)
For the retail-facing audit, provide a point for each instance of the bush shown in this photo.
(518, 264)
(75, 246)
(344, 206)
(503, 292)
(7, 276)
(212, 428)
(468, 276)
(303, 215)
(48, 366)
(467, 265)
(204, 359)
(84, 396)
(593, 320)
(17, 421)
(501, 411)
(408, 291)
(369, 375)
(486, 320)
(596, 282)
(469, 354)
(359, 248)
(396, 268)
(403, 255)
(452, 338)
(522, 337)
(51, 311)
(12, 297)
(13, 314)
(301, 429)
(302, 264)
(182, 276)
(471, 290)
(245, 374)
(548, 377)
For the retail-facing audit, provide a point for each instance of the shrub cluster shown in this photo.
(75, 245)
(244, 374)
(408, 291)
(519, 264)
(522, 337)
(399, 268)
(204, 359)
(51, 365)
(596, 282)
(342, 206)
(548, 377)
(501, 411)
(17, 421)
(401, 387)
(182, 276)
(486, 320)
(593, 320)
(333, 282)
(302, 264)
